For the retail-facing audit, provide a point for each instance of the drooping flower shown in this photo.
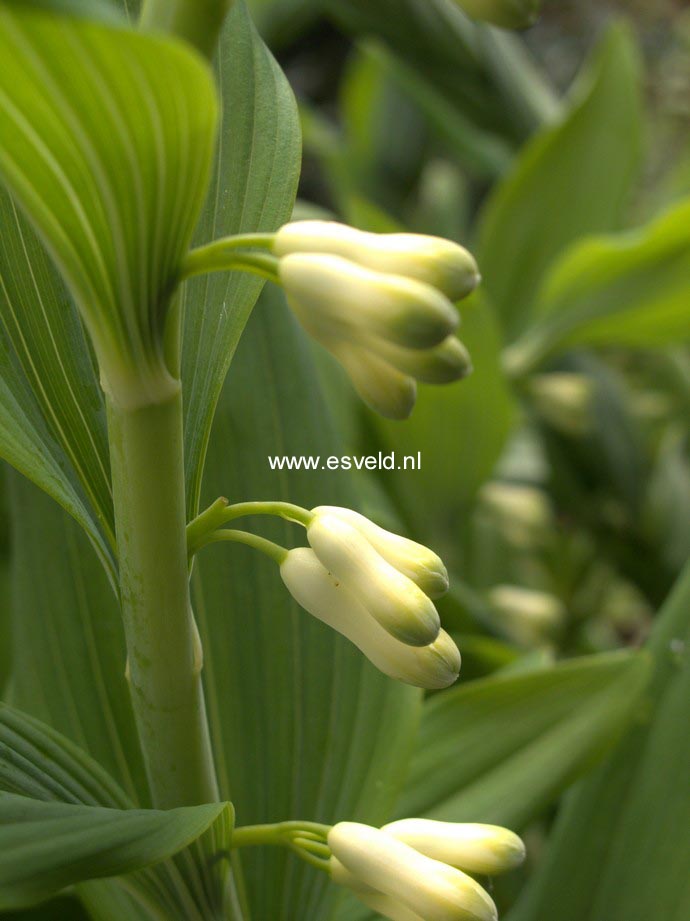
(381, 304)
(327, 598)
(404, 877)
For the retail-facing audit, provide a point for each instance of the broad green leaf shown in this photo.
(302, 725)
(46, 846)
(500, 749)
(253, 189)
(630, 289)
(38, 762)
(459, 429)
(107, 136)
(488, 77)
(68, 641)
(510, 14)
(619, 850)
(572, 179)
(51, 406)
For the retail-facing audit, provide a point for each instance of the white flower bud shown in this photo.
(383, 388)
(382, 904)
(471, 847)
(337, 299)
(427, 887)
(326, 598)
(526, 615)
(522, 513)
(437, 262)
(399, 605)
(413, 560)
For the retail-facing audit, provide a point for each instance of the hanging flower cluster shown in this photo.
(417, 869)
(382, 304)
(375, 588)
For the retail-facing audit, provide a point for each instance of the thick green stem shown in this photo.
(164, 652)
(197, 21)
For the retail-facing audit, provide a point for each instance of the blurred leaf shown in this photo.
(619, 851)
(253, 189)
(487, 77)
(572, 179)
(631, 289)
(283, 21)
(282, 689)
(459, 429)
(500, 749)
(509, 14)
(46, 846)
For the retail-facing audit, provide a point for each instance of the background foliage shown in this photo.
(561, 466)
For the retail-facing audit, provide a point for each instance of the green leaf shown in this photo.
(619, 851)
(46, 846)
(500, 749)
(253, 189)
(510, 14)
(630, 289)
(107, 136)
(52, 416)
(38, 762)
(572, 179)
(68, 642)
(282, 689)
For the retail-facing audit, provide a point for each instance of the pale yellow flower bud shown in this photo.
(399, 605)
(564, 400)
(383, 388)
(450, 361)
(444, 265)
(382, 904)
(427, 887)
(471, 847)
(414, 560)
(522, 513)
(335, 298)
(526, 615)
(326, 598)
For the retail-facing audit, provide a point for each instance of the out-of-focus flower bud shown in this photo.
(382, 387)
(427, 887)
(564, 400)
(393, 599)
(414, 560)
(440, 263)
(471, 847)
(527, 616)
(522, 513)
(328, 599)
(450, 361)
(337, 299)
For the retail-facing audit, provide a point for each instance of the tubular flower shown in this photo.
(393, 599)
(327, 598)
(471, 847)
(417, 562)
(381, 304)
(408, 883)
(437, 262)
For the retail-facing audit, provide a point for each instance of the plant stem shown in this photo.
(197, 21)
(219, 257)
(164, 653)
(267, 547)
